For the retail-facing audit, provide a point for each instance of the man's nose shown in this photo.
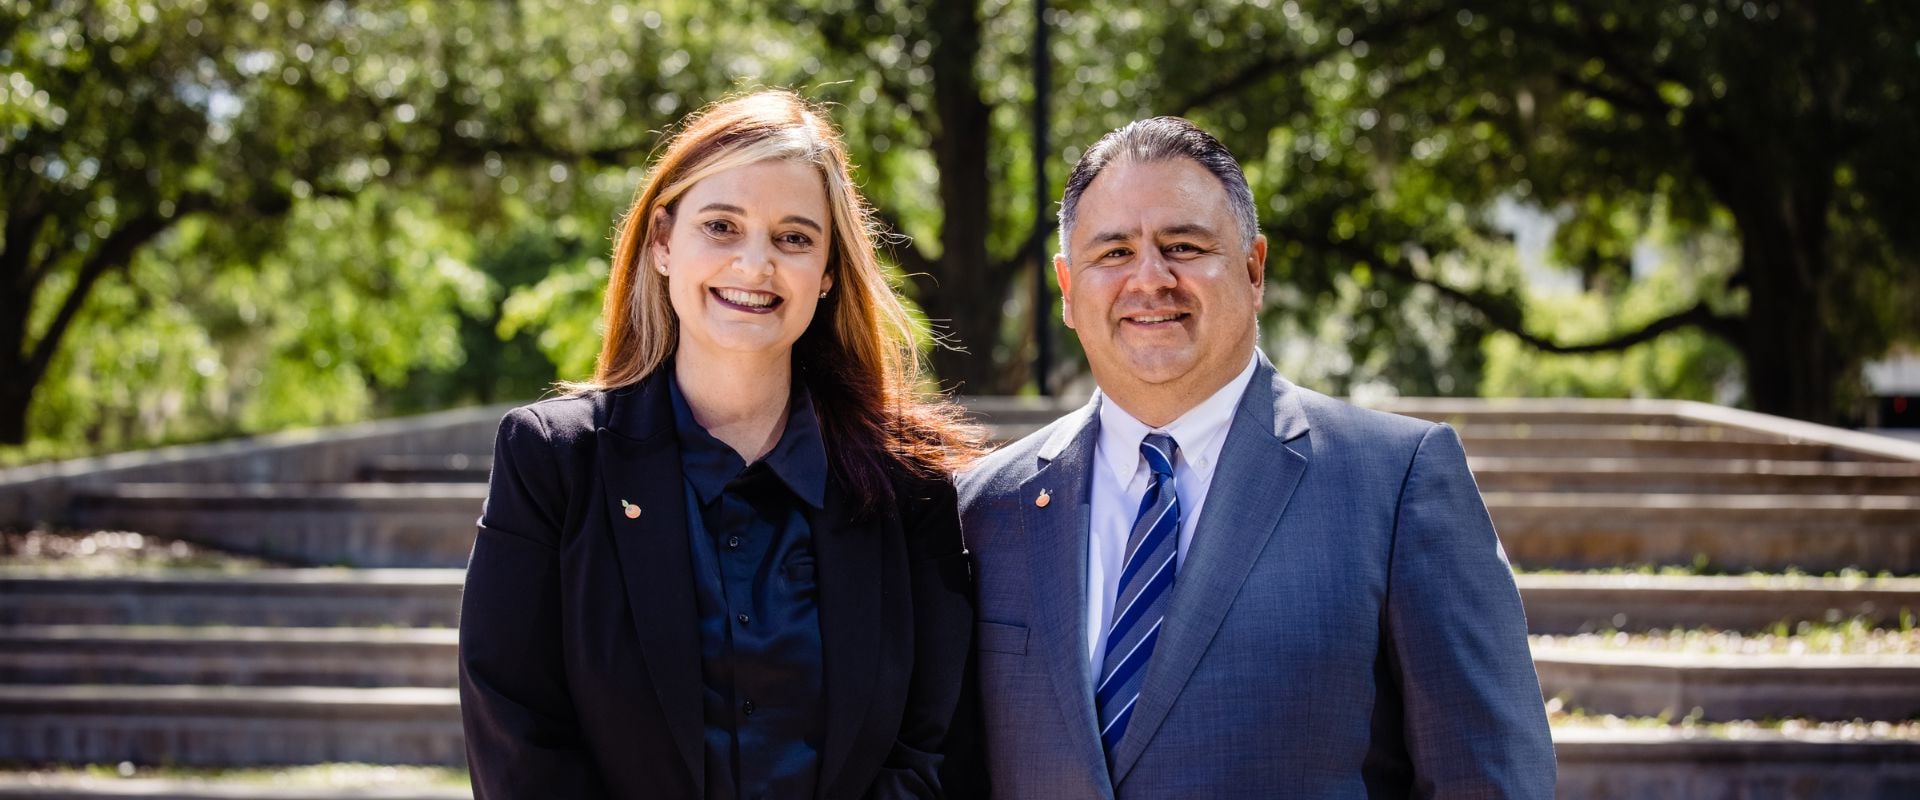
(1152, 273)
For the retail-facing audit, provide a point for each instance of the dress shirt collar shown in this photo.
(1194, 432)
(799, 459)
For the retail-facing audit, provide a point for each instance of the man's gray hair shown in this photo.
(1160, 139)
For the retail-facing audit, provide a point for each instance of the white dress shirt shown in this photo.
(1120, 478)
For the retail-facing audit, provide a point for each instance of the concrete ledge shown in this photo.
(1736, 532)
(1662, 763)
(1636, 683)
(1605, 442)
(113, 654)
(454, 468)
(1689, 475)
(40, 492)
(1563, 604)
(229, 725)
(358, 524)
(77, 788)
(291, 597)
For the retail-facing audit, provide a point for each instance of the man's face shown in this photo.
(1159, 284)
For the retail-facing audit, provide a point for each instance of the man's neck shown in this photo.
(1158, 405)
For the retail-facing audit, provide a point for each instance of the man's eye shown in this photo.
(1118, 252)
(1182, 248)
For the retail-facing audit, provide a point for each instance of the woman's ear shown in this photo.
(659, 230)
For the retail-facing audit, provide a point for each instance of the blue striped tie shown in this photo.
(1146, 586)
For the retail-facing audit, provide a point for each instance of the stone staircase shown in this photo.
(1627, 520)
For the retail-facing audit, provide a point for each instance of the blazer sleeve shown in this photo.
(935, 753)
(522, 738)
(1474, 722)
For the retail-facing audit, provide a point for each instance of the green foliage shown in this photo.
(286, 215)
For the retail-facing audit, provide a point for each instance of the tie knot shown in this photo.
(1158, 449)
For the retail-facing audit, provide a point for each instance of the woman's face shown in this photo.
(746, 259)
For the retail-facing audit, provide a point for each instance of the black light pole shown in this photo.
(1042, 198)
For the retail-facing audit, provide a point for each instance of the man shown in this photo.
(1209, 582)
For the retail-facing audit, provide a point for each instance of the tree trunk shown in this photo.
(16, 384)
(1794, 366)
(969, 288)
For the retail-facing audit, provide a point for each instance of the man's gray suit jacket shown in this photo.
(1344, 624)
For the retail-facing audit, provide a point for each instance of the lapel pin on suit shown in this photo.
(633, 511)
(1045, 497)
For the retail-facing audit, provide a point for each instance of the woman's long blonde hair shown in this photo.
(858, 355)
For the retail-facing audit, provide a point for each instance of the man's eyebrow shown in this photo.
(1105, 237)
(1187, 229)
(796, 219)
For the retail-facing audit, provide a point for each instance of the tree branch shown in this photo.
(114, 252)
(1502, 314)
(1272, 63)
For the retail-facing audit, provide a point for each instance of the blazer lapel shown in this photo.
(1252, 484)
(639, 463)
(849, 559)
(1056, 535)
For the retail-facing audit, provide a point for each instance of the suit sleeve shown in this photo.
(935, 754)
(522, 737)
(1474, 723)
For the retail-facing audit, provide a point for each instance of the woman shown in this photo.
(730, 565)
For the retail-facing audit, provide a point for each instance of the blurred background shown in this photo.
(231, 217)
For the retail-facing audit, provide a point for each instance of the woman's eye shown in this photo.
(719, 226)
(795, 240)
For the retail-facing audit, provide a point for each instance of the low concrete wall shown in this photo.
(41, 492)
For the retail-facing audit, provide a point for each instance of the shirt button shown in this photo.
(747, 708)
(744, 619)
(733, 541)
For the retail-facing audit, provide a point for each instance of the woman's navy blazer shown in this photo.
(579, 646)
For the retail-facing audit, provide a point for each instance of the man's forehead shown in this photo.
(1138, 198)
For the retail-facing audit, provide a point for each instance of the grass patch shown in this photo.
(341, 776)
(1847, 637)
(1562, 717)
(112, 552)
(1701, 566)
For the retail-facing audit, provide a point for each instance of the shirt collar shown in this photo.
(799, 459)
(1194, 431)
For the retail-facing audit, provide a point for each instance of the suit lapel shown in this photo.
(850, 568)
(639, 463)
(1252, 484)
(1056, 535)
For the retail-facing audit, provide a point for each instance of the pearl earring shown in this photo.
(823, 295)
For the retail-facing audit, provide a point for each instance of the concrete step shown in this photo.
(1579, 603)
(117, 654)
(411, 598)
(229, 725)
(428, 468)
(1644, 683)
(1734, 532)
(353, 524)
(1692, 476)
(1635, 441)
(89, 787)
(427, 598)
(1663, 762)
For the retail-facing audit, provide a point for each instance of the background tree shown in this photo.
(238, 216)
